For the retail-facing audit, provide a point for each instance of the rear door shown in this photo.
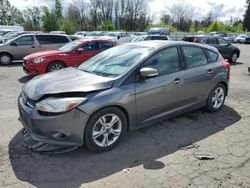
(198, 74)
(161, 95)
(23, 46)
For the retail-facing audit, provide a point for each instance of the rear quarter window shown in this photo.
(212, 56)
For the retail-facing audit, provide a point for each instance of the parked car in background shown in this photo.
(94, 34)
(81, 33)
(58, 32)
(240, 38)
(227, 50)
(159, 31)
(122, 89)
(70, 55)
(150, 37)
(23, 45)
(115, 35)
(230, 38)
(218, 34)
(247, 40)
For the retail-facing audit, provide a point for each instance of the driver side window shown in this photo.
(166, 61)
(25, 40)
(223, 42)
(91, 46)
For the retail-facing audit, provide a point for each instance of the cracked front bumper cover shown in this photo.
(40, 129)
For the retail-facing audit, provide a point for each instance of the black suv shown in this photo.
(227, 50)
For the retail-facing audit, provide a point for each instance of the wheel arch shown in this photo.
(8, 53)
(225, 85)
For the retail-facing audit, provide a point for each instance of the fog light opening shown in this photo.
(58, 135)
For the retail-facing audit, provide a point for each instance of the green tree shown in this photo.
(192, 28)
(107, 26)
(49, 20)
(32, 19)
(68, 26)
(9, 15)
(246, 21)
(58, 10)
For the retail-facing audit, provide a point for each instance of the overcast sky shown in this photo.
(221, 9)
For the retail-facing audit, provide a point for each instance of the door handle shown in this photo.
(177, 81)
(209, 72)
(33, 46)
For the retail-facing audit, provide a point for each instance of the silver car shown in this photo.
(23, 45)
(122, 89)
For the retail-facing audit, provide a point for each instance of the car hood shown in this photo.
(65, 81)
(45, 54)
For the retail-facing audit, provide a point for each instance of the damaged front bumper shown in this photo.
(48, 133)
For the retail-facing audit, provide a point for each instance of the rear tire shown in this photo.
(216, 98)
(103, 135)
(234, 57)
(5, 59)
(55, 66)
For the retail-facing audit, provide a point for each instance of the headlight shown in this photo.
(59, 105)
(39, 60)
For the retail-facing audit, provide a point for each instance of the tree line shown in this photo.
(108, 15)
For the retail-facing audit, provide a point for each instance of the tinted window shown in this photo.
(51, 39)
(148, 38)
(222, 42)
(212, 55)
(165, 61)
(91, 46)
(194, 56)
(25, 40)
(105, 45)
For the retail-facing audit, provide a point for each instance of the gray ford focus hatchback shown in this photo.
(122, 89)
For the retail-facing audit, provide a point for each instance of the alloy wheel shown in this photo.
(107, 130)
(56, 67)
(5, 59)
(218, 97)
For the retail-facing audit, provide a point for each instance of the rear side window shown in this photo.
(25, 40)
(105, 45)
(213, 56)
(166, 61)
(51, 39)
(194, 56)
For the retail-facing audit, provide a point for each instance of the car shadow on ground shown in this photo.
(236, 63)
(142, 147)
(25, 79)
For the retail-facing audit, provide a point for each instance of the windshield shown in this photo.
(111, 34)
(70, 46)
(115, 61)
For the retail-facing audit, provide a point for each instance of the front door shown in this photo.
(161, 95)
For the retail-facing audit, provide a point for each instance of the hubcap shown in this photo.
(234, 57)
(218, 97)
(107, 130)
(56, 67)
(5, 59)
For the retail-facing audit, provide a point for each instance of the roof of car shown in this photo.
(95, 40)
(163, 43)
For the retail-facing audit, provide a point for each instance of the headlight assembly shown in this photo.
(59, 105)
(39, 60)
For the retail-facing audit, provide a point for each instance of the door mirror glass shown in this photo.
(148, 72)
(80, 50)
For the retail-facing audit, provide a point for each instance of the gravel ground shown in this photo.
(162, 155)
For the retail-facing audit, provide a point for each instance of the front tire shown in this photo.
(105, 129)
(5, 59)
(55, 66)
(216, 98)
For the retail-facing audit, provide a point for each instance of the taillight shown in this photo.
(226, 65)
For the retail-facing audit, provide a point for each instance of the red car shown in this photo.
(70, 55)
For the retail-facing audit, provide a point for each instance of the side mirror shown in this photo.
(148, 72)
(80, 50)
